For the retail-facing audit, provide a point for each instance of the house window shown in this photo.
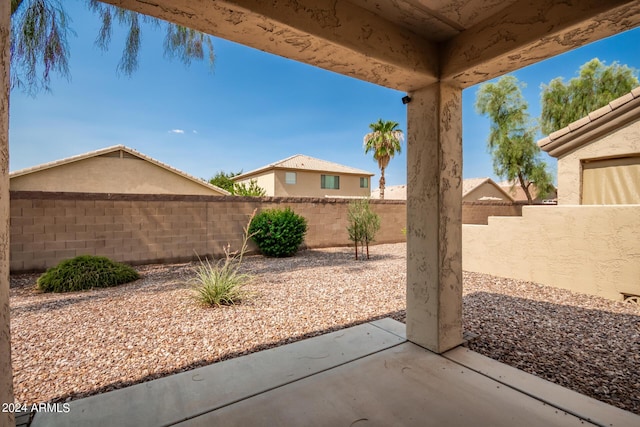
(289, 177)
(364, 182)
(330, 181)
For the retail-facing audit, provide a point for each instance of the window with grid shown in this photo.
(331, 182)
(290, 177)
(364, 182)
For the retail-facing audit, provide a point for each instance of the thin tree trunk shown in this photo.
(382, 182)
(525, 188)
(367, 249)
(356, 244)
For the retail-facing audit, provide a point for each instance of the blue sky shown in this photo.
(253, 109)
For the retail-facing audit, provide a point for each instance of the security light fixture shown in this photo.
(406, 99)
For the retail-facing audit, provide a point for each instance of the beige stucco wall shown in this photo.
(264, 180)
(109, 175)
(485, 190)
(587, 249)
(308, 184)
(623, 142)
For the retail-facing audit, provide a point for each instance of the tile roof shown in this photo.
(302, 162)
(615, 114)
(399, 192)
(111, 149)
(392, 192)
(517, 193)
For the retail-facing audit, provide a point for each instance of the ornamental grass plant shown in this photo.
(221, 283)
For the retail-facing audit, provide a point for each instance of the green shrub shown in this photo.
(85, 272)
(222, 283)
(277, 232)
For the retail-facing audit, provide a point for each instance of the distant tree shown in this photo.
(516, 156)
(595, 86)
(225, 180)
(39, 47)
(253, 189)
(384, 140)
(363, 224)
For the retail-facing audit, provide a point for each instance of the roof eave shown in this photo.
(567, 139)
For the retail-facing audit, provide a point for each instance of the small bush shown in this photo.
(277, 232)
(363, 224)
(85, 272)
(222, 283)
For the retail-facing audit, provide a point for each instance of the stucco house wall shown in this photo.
(610, 132)
(486, 190)
(111, 171)
(623, 142)
(586, 249)
(308, 172)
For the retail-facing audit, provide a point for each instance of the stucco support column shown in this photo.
(434, 217)
(6, 376)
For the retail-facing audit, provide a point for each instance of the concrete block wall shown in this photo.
(47, 228)
(479, 212)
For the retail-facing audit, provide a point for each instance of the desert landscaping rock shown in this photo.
(68, 346)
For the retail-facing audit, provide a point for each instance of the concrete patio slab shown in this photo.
(168, 400)
(364, 375)
(547, 392)
(402, 386)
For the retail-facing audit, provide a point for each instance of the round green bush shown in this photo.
(277, 232)
(85, 272)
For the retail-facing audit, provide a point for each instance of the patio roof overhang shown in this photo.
(432, 49)
(404, 44)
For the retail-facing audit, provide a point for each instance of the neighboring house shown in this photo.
(473, 190)
(599, 155)
(391, 192)
(483, 189)
(116, 169)
(517, 193)
(304, 176)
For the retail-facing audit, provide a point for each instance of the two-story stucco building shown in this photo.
(304, 176)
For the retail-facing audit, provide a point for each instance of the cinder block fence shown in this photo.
(48, 227)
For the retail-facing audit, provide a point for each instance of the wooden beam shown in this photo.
(336, 36)
(530, 31)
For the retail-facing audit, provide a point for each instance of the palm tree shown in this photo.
(384, 141)
(39, 47)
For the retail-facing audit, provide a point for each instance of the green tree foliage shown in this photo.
(39, 47)
(384, 140)
(225, 180)
(516, 156)
(363, 224)
(253, 189)
(594, 87)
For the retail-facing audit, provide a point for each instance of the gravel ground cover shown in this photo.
(73, 345)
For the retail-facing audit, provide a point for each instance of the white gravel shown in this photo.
(67, 346)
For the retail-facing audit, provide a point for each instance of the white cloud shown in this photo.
(195, 131)
(176, 131)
